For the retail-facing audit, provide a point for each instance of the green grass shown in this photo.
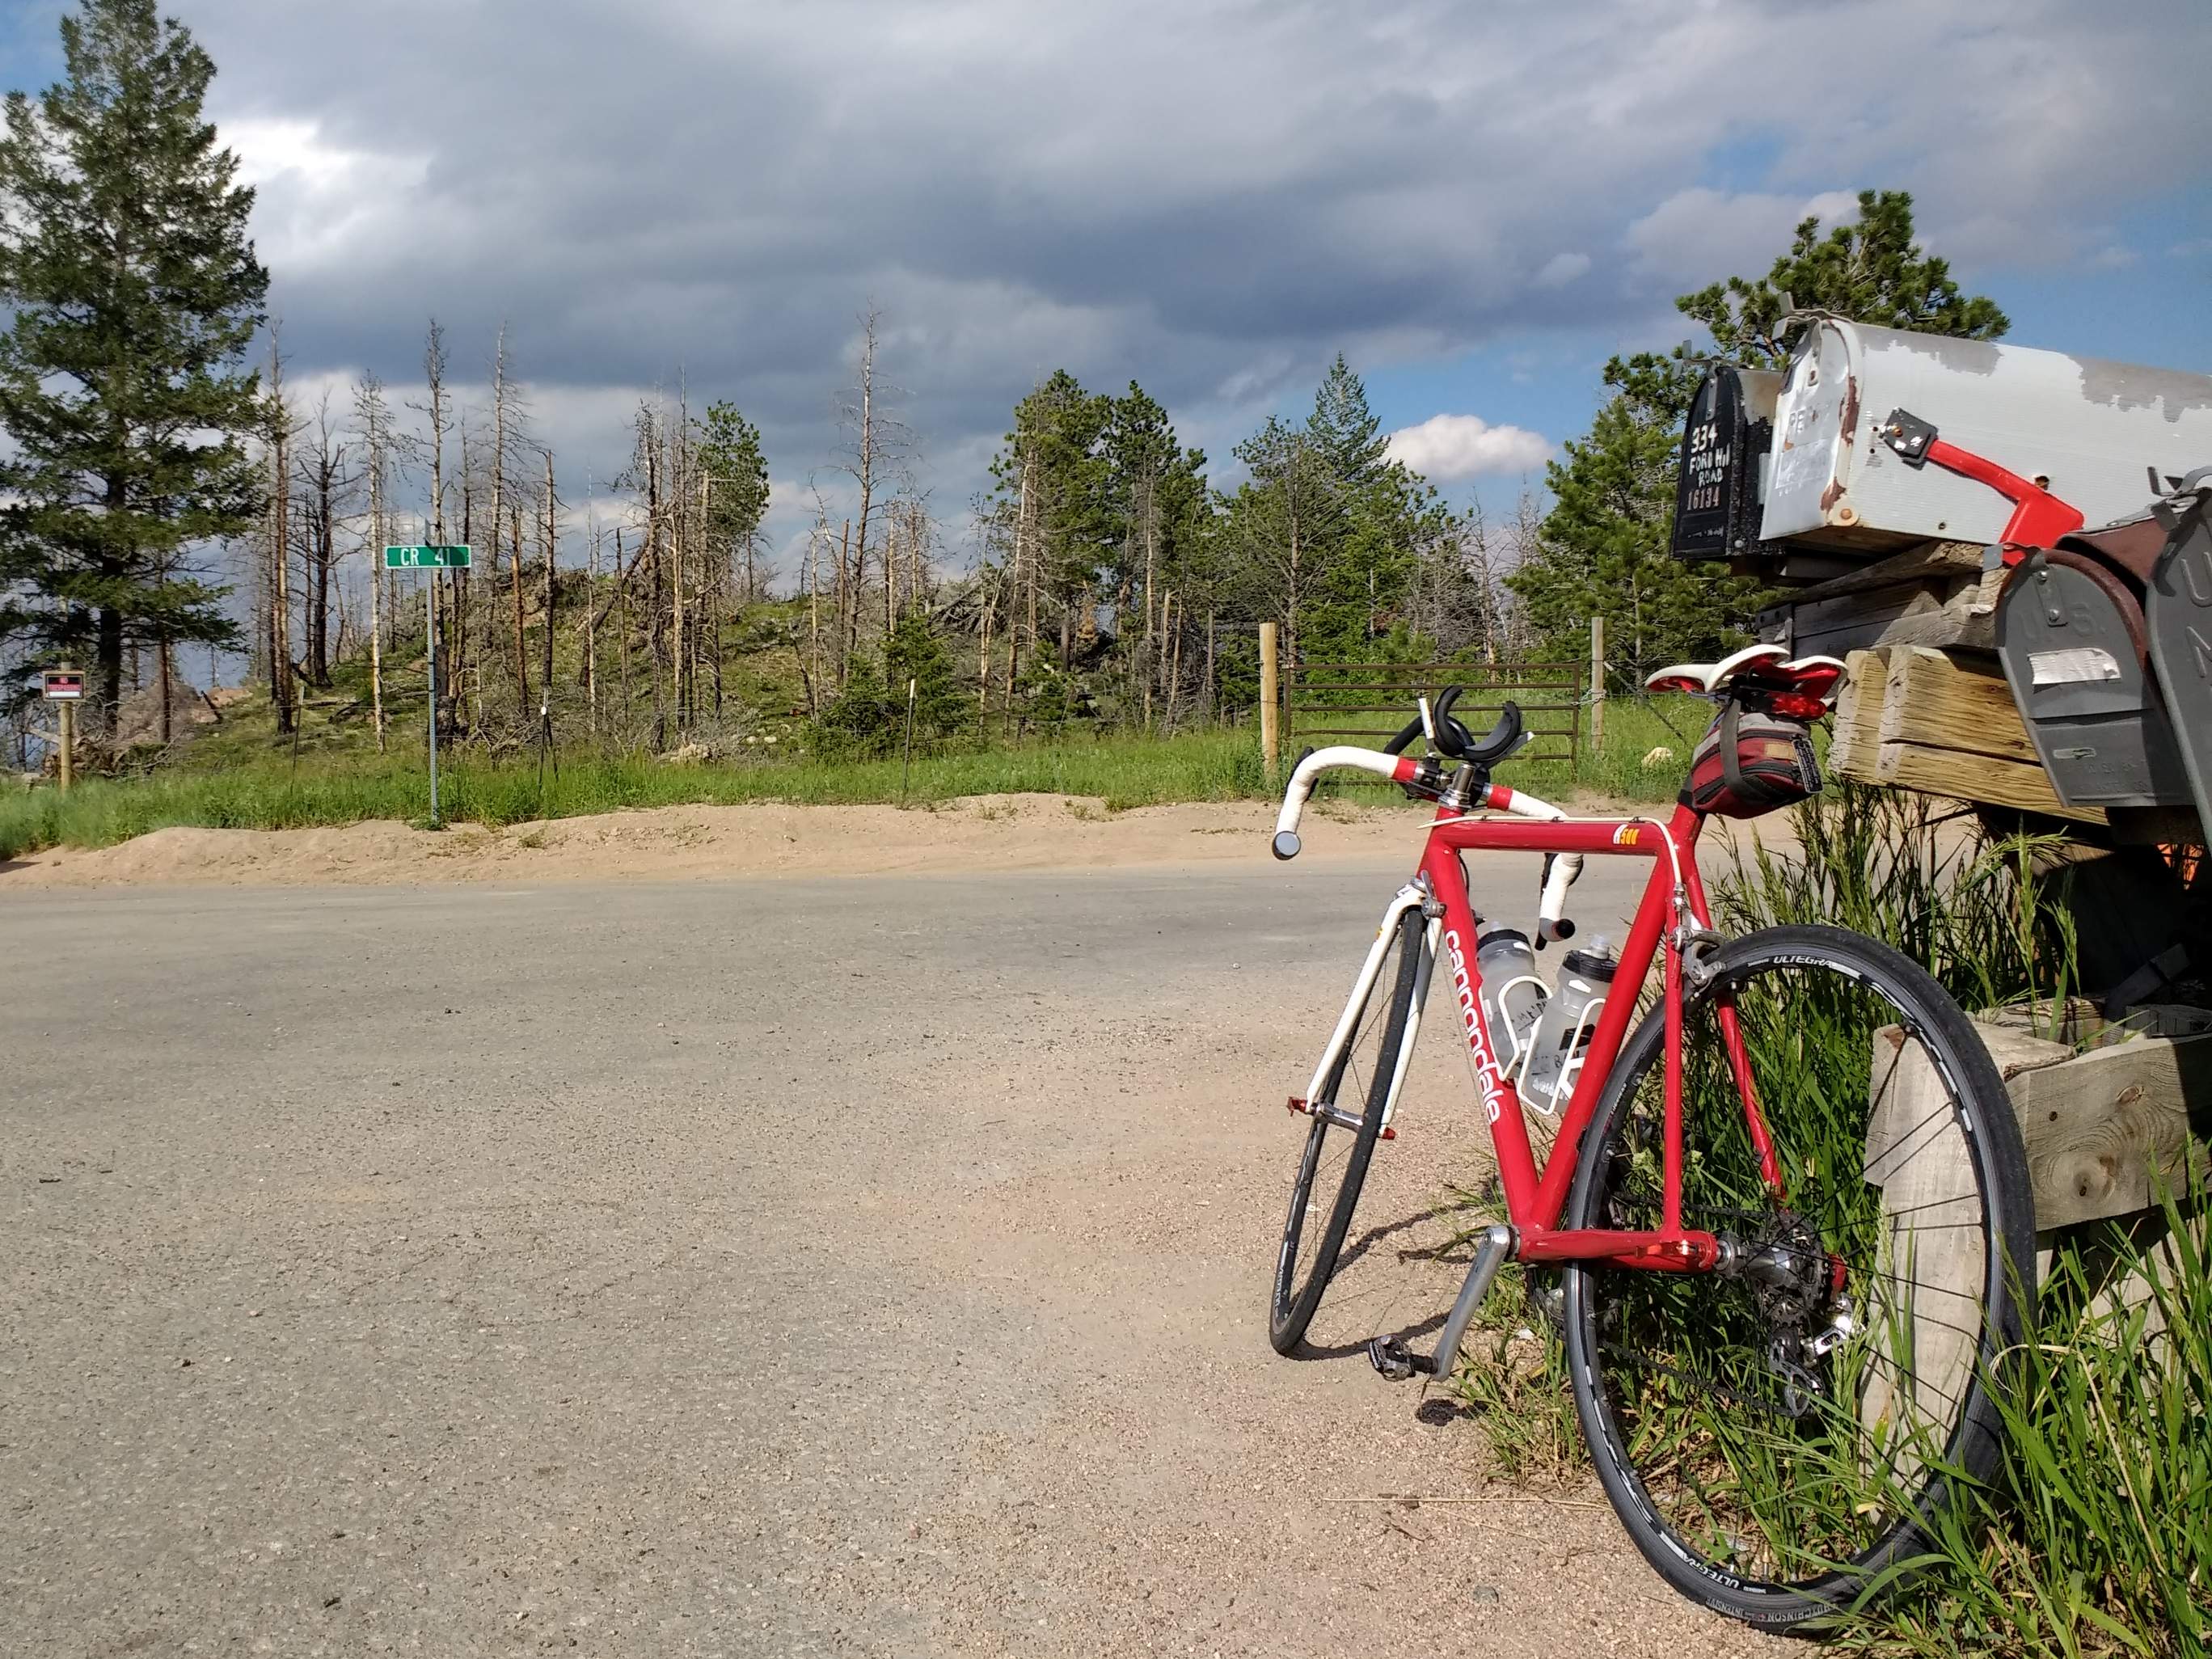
(268, 794)
(2095, 1537)
(240, 776)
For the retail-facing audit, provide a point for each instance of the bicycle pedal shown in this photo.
(1391, 1357)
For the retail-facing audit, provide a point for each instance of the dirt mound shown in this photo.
(1010, 832)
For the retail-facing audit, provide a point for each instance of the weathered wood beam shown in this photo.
(1920, 719)
(1942, 701)
(1856, 733)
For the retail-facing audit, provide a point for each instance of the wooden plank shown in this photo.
(1930, 561)
(2104, 1129)
(1935, 596)
(1945, 701)
(1853, 738)
(1954, 625)
(1962, 776)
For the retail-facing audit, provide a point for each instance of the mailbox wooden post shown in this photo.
(65, 686)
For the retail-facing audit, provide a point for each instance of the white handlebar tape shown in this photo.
(1301, 787)
(1552, 906)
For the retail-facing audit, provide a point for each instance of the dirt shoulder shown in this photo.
(1003, 832)
(1009, 832)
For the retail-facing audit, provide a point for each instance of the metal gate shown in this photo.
(1367, 702)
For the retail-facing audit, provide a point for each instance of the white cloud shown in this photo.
(650, 188)
(318, 203)
(1701, 235)
(1450, 446)
(1561, 269)
(2114, 257)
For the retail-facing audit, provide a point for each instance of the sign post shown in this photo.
(66, 687)
(433, 558)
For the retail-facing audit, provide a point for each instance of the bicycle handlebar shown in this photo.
(1397, 767)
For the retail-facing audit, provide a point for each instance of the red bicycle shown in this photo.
(1789, 1212)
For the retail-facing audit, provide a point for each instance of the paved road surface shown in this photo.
(744, 1268)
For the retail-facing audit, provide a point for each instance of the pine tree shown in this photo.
(914, 653)
(1604, 548)
(135, 292)
(1870, 270)
(1348, 432)
(730, 453)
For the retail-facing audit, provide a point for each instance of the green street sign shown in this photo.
(426, 558)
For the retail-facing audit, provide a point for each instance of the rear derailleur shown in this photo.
(1798, 1288)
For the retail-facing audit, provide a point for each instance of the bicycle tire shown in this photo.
(1700, 1476)
(1296, 1297)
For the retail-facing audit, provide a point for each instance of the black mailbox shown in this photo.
(1717, 490)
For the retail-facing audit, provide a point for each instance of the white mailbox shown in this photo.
(2087, 431)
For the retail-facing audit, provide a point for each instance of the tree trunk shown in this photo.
(280, 588)
(545, 676)
(514, 586)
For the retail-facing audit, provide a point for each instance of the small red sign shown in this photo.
(62, 685)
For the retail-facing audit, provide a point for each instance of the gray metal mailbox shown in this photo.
(2086, 430)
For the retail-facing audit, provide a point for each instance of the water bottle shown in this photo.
(1561, 1035)
(1512, 995)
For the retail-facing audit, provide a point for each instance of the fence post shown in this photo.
(1597, 685)
(68, 713)
(1270, 730)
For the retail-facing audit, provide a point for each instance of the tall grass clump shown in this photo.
(2095, 1537)
(1984, 914)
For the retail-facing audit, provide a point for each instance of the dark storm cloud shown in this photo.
(1210, 198)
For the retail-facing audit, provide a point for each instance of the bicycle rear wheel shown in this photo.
(1776, 1432)
(1334, 1165)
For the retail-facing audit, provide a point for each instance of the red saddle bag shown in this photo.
(1749, 763)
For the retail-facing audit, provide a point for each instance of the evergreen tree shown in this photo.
(915, 653)
(868, 716)
(1330, 532)
(1055, 452)
(730, 453)
(1047, 699)
(1281, 524)
(1870, 270)
(135, 292)
(1603, 550)
(1346, 429)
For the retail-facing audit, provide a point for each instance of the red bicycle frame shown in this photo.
(1675, 895)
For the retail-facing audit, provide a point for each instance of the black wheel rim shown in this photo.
(1770, 1466)
(1334, 1155)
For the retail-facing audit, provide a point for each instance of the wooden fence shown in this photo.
(1367, 702)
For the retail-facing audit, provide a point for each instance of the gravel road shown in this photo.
(743, 1267)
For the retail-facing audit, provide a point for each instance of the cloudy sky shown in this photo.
(1476, 202)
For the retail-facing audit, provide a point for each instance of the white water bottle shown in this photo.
(1512, 995)
(1561, 1035)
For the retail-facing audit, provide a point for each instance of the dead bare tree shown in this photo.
(876, 443)
(440, 422)
(375, 421)
(281, 695)
(550, 548)
(327, 480)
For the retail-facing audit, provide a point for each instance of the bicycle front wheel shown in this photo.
(1347, 1119)
(1775, 1433)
